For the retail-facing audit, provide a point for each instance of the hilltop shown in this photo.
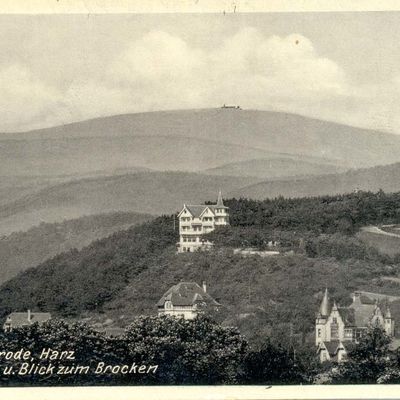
(273, 132)
(22, 250)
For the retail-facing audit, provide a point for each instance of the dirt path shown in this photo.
(375, 229)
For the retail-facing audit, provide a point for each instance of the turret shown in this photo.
(320, 321)
(220, 202)
(324, 307)
(389, 323)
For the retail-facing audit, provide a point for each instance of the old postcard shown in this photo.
(199, 195)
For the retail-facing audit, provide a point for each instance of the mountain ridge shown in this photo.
(268, 130)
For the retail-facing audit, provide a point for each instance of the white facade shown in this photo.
(185, 312)
(198, 220)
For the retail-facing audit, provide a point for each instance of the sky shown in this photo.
(342, 67)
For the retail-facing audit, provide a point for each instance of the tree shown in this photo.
(272, 364)
(197, 351)
(367, 361)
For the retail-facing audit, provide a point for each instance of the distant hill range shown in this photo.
(147, 192)
(385, 177)
(278, 167)
(164, 192)
(23, 250)
(153, 162)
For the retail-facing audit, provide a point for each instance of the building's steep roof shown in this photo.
(186, 294)
(213, 207)
(348, 315)
(363, 314)
(324, 309)
(359, 314)
(364, 310)
(366, 300)
(332, 347)
(21, 318)
(196, 210)
(220, 202)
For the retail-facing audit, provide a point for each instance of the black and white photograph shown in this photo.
(199, 198)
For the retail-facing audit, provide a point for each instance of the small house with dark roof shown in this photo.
(186, 300)
(198, 220)
(338, 328)
(20, 319)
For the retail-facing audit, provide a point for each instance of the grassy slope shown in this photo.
(23, 250)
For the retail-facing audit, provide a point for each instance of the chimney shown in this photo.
(204, 286)
(29, 315)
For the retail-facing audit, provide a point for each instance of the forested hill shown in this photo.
(126, 274)
(22, 250)
(324, 214)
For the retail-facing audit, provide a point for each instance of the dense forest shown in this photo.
(22, 250)
(124, 275)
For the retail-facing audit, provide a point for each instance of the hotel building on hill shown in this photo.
(197, 220)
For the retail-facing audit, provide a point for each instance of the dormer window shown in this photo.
(168, 305)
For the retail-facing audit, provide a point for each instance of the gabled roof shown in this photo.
(347, 315)
(186, 294)
(331, 347)
(363, 314)
(196, 210)
(18, 319)
(359, 314)
(334, 345)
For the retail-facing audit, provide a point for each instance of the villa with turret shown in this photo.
(338, 328)
(197, 220)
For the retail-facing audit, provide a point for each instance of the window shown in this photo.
(348, 333)
(168, 305)
(334, 331)
(319, 332)
(334, 320)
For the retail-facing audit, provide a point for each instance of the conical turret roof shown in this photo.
(220, 201)
(324, 308)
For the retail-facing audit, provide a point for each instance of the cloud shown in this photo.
(25, 99)
(160, 71)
